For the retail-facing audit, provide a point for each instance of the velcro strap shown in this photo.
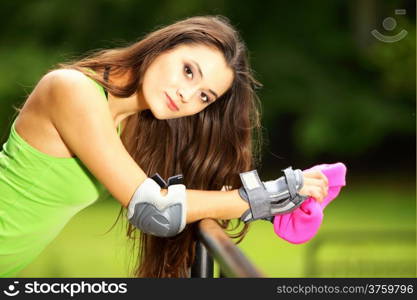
(158, 179)
(291, 181)
(177, 179)
(246, 216)
(257, 194)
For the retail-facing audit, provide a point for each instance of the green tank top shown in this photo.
(39, 194)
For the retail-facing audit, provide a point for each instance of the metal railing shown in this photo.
(213, 242)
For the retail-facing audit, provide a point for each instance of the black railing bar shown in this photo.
(230, 258)
(203, 266)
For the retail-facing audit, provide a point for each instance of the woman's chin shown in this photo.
(160, 115)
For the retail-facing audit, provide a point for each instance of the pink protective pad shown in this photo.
(303, 223)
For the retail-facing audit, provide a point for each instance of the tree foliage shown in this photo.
(322, 92)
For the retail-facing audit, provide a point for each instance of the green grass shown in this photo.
(361, 235)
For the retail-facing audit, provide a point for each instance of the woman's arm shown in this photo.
(229, 205)
(213, 204)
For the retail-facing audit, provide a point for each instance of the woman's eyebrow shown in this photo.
(201, 74)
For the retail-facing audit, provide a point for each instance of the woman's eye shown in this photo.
(204, 97)
(188, 72)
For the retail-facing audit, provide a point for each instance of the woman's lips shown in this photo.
(171, 104)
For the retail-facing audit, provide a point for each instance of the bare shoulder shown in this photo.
(34, 122)
(57, 85)
(65, 76)
(62, 81)
(62, 76)
(67, 87)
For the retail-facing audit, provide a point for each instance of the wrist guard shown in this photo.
(267, 199)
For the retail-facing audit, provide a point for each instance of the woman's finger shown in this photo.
(316, 174)
(317, 182)
(312, 191)
(317, 192)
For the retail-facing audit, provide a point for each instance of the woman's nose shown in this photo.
(185, 94)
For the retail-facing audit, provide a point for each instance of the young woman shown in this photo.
(178, 104)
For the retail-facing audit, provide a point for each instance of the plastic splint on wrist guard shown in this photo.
(267, 199)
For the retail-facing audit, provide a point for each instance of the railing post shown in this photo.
(203, 264)
(213, 243)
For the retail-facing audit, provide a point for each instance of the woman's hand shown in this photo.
(315, 185)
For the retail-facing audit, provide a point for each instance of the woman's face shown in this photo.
(191, 76)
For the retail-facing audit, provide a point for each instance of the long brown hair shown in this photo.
(209, 148)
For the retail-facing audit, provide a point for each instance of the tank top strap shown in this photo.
(103, 90)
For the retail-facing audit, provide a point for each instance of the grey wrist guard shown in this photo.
(152, 213)
(267, 199)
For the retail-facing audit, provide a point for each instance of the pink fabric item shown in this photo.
(303, 223)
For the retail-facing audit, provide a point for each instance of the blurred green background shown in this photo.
(332, 92)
